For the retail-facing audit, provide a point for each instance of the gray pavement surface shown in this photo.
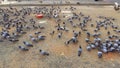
(49, 2)
(111, 1)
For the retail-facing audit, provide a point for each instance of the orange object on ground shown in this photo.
(39, 16)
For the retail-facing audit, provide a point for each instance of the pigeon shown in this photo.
(27, 44)
(43, 52)
(79, 50)
(99, 54)
(23, 48)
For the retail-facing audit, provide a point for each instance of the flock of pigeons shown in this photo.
(13, 18)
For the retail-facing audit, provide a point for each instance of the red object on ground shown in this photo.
(39, 16)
